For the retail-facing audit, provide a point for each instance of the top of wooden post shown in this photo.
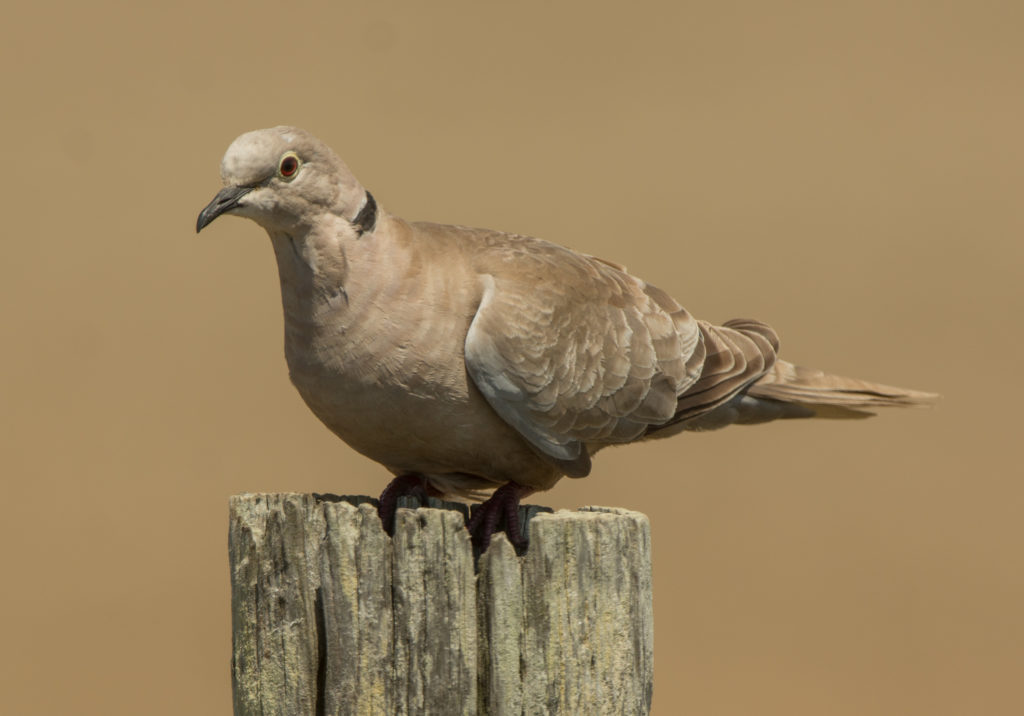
(331, 615)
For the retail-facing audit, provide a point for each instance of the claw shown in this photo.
(502, 505)
(401, 486)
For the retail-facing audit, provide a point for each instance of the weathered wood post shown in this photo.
(330, 615)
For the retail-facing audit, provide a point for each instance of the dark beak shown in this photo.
(226, 200)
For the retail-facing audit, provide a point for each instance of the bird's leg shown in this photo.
(504, 503)
(407, 484)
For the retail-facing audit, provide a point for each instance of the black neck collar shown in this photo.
(366, 219)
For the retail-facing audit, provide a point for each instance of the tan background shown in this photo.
(852, 176)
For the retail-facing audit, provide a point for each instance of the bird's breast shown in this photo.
(384, 385)
(378, 354)
(405, 400)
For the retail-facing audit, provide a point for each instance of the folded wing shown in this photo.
(571, 350)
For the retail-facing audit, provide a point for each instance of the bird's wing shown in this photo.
(738, 353)
(570, 350)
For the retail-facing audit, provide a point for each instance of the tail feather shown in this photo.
(832, 396)
(743, 382)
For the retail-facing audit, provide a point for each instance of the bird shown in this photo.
(484, 365)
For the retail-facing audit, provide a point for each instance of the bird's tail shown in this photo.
(832, 396)
(743, 382)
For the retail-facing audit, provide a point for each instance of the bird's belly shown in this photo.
(430, 421)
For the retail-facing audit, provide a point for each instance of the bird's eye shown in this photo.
(289, 166)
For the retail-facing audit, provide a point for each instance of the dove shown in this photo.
(471, 362)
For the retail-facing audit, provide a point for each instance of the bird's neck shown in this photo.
(333, 274)
(312, 267)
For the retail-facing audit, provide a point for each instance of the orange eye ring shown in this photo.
(289, 166)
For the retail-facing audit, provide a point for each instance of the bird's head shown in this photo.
(283, 179)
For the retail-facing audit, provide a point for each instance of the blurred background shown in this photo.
(851, 173)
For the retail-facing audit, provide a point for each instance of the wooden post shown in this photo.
(330, 615)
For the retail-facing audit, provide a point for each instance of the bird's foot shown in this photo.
(407, 485)
(500, 509)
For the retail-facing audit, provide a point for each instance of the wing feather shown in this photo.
(737, 353)
(571, 350)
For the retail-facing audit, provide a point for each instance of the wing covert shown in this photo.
(569, 351)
